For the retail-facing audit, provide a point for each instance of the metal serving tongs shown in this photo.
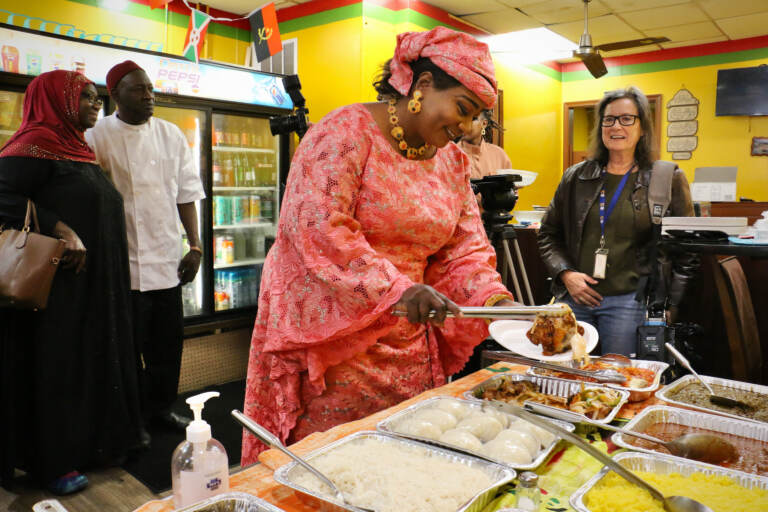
(606, 375)
(506, 312)
(270, 439)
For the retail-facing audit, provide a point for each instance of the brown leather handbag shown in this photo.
(28, 262)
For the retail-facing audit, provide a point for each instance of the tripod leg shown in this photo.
(523, 272)
(511, 265)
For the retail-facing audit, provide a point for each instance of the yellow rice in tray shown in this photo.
(614, 494)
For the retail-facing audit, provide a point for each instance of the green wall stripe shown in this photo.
(547, 71)
(669, 65)
(174, 18)
(322, 18)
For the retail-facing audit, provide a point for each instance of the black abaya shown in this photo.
(68, 385)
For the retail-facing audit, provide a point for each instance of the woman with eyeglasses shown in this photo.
(597, 240)
(68, 384)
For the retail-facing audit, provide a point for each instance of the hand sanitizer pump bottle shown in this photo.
(199, 467)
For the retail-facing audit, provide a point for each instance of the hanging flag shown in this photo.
(154, 4)
(264, 32)
(198, 24)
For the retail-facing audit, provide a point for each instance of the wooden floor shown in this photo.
(110, 490)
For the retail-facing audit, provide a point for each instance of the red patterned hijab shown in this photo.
(460, 55)
(50, 128)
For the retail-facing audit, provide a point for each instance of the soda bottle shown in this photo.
(250, 176)
(255, 208)
(228, 172)
(218, 178)
(229, 250)
(238, 171)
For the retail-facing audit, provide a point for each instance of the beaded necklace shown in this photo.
(399, 135)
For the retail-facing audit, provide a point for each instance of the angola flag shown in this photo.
(264, 31)
(198, 24)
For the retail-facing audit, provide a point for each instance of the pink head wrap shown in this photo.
(460, 55)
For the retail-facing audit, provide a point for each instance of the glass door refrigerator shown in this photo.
(223, 111)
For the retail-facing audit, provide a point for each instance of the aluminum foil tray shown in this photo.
(389, 424)
(550, 386)
(232, 502)
(663, 465)
(663, 414)
(500, 475)
(663, 393)
(635, 394)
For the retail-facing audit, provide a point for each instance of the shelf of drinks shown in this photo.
(265, 224)
(241, 149)
(265, 188)
(238, 263)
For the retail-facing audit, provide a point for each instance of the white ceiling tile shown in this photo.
(604, 29)
(500, 22)
(683, 14)
(630, 51)
(563, 11)
(745, 26)
(463, 7)
(695, 42)
(620, 6)
(521, 3)
(732, 8)
(702, 30)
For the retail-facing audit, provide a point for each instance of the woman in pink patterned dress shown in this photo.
(378, 214)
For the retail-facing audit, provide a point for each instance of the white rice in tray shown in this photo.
(391, 477)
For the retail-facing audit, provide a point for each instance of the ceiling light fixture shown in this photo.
(530, 46)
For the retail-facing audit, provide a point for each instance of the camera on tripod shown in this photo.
(297, 121)
(498, 197)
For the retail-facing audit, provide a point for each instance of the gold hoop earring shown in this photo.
(482, 132)
(414, 106)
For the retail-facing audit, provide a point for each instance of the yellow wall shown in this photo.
(136, 21)
(723, 141)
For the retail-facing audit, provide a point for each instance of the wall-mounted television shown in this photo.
(742, 92)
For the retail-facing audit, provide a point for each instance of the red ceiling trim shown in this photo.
(683, 52)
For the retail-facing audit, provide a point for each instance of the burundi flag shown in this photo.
(264, 31)
(198, 24)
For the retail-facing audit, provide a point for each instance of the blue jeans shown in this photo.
(616, 320)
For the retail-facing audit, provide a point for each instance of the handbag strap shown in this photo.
(31, 216)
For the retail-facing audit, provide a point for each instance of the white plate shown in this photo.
(528, 176)
(511, 335)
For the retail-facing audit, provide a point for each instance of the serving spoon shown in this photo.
(715, 399)
(697, 446)
(270, 439)
(670, 503)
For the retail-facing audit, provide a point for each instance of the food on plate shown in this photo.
(461, 438)
(482, 426)
(696, 394)
(454, 407)
(442, 419)
(420, 428)
(637, 378)
(394, 477)
(554, 331)
(752, 453)
(519, 438)
(508, 451)
(720, 493)
(594, 402)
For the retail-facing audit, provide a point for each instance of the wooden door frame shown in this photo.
(653, 99)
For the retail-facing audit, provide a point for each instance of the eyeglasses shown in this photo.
(624, 120)
(93, 100)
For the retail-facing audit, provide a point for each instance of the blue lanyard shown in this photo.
(605, 213)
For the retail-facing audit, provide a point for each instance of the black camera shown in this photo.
(498, 197)
(297, 121)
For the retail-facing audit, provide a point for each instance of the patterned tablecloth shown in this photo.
(566, 470)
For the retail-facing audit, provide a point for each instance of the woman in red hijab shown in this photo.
(67, 376)
(378, 214)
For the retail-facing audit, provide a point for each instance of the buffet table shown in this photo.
(566, 468)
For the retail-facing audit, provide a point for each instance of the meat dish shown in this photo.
(555, 332)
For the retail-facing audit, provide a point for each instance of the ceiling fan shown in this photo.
(590, 55)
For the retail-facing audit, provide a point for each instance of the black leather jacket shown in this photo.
(562, 226)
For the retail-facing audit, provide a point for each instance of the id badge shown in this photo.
(601, 262)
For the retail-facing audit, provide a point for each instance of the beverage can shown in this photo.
(255, 208)
(229, 250)
(240, 209)
(223, 210)
(266, 208)
(218, 243)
